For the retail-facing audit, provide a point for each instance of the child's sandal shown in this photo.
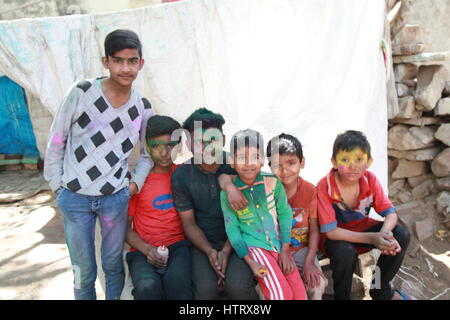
(403, 295)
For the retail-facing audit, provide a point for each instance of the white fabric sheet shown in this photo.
(312, 68)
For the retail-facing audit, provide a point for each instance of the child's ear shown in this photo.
(230, 160)
(105, 62)
(333, 161)
(262, 160)
(369, 162)
(141, 64)
(302, 163)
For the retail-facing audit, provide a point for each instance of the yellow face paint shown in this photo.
(356, 157)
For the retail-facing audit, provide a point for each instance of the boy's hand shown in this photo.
(213, 257)
(312, 275)
(286, 262)
(258, 270)
(154, 258)
(388, 235)
(133, 188)
(236, 198)
(222, 259)
(381, 241)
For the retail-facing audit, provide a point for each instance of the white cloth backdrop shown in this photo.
(312, 68)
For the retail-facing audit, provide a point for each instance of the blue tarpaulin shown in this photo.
(16, 131)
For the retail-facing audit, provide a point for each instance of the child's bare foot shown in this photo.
(400, 295)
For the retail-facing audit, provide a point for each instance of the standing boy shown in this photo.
(196, 194)
(345, 197)
(153, 222)
(92, 135)
(260, 233)
(286, 160)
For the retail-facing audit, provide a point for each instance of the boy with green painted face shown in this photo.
(153, 222)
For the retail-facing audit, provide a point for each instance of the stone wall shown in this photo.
(419, 134)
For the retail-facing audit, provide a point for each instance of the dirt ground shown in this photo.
(35, 264)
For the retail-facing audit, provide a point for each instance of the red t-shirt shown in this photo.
(155, 219)
(357, 219)
(304, 205)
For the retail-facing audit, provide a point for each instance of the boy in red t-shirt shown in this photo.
(153, 222)
(345, 197)
(286, 159)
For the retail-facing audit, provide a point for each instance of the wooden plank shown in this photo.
(13, 167)
(30, 166)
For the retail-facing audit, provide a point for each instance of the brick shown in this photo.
(431, 81)
(407, 169)
(424, 229)
(443, 133)
(441, 164)
(407, 71)
(443, 107)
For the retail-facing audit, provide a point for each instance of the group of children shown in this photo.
(225, 227)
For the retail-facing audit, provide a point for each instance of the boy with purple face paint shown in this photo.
(92, 136)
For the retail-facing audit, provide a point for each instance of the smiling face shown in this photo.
(286, 167)
(248, 162)
(351, 165)
(124, 66)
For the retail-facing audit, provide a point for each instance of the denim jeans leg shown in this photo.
(79, 233)
(147, 283)
(112, 213)
(178, 278)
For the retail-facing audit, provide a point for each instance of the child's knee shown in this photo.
(402, 235)
(148, 289)
(341, 250)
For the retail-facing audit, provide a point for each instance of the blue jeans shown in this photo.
(79, 214)
(175, 283)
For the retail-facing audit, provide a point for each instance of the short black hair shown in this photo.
(349, 140)
(246, 138)
(120, 39)
(208, 118)
(160, 125)
(285, 144)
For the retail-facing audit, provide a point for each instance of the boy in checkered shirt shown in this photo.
(92, 136)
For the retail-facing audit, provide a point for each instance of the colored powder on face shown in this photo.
(354, 157)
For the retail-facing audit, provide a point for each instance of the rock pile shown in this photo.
(419, 135)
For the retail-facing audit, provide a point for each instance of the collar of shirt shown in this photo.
(333, 190)
(242, 185)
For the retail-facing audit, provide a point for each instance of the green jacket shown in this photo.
(266, 221)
